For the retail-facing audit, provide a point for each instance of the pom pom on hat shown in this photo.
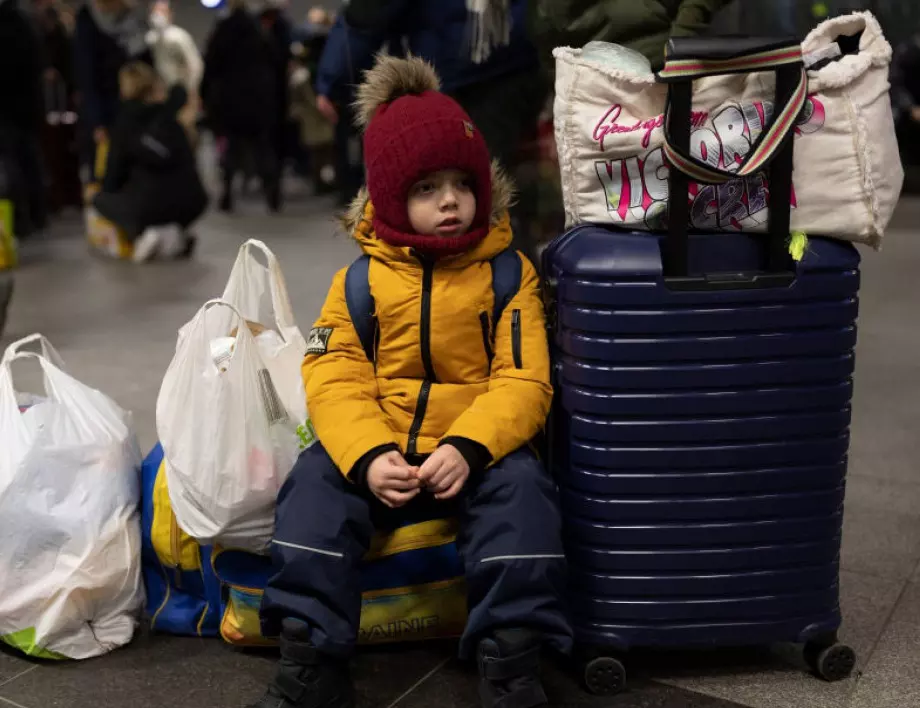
(391, 78)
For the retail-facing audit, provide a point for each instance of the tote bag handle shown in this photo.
(693, 58)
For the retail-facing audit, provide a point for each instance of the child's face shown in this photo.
(442, 204)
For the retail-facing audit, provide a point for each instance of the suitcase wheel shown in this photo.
(833, 663)
(605, 676)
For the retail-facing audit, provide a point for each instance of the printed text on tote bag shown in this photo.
(636, 188)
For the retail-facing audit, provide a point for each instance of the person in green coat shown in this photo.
(643, 25)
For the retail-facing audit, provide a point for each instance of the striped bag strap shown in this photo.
(686, 68)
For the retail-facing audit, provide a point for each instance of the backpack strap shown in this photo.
(361, 306)
(506, 281)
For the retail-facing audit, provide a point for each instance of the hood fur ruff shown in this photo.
(503, 193)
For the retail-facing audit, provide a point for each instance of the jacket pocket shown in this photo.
(516, 339)
(486, 334)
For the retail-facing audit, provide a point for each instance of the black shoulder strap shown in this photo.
(506, 281)
(361, 306)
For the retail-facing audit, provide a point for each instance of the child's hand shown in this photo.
(445, 472)
(392, 480)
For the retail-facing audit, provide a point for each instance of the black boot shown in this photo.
(306, 678)
(509, 670)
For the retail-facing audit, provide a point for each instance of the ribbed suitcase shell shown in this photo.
(700, 440)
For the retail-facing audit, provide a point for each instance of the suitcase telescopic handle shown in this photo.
(694, 58)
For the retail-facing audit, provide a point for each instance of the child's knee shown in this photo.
(523, 478)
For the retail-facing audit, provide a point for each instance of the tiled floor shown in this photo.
(115, 326)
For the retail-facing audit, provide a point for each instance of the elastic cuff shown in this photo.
(358, 473)
(476, 454)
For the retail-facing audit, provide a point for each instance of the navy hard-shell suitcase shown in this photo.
(700, 436)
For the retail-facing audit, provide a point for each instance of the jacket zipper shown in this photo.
(425, 324)
(486, 334)
(420, 407)
(421, 404)
(516, 339)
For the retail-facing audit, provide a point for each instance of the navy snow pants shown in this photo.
(510, 540)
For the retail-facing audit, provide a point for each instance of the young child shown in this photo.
(151, 187)
(437, 426)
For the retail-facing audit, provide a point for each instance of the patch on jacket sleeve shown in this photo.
(318, 342)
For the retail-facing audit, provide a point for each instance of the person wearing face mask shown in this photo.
(107, 35)
(176, 59)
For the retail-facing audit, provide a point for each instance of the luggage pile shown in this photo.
(232, 419)
(192, 521)
(704, 373)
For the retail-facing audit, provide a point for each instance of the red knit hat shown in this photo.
(412, 130)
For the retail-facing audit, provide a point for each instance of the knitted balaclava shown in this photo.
(412, 130)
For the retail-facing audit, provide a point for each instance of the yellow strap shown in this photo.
(428, 534)
(102, 157)
(174, 547)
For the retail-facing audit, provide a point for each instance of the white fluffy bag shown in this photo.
(609, 127)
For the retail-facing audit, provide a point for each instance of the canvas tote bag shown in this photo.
(614, 157)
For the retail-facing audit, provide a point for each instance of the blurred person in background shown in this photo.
(905, 97)
(177, 60)
(107, 35)
(642, 25)
(59, 139)
(278, 29)
(240, 98)
(55, 36)
(151, 189)
(316, 133)
(478, 47)
(22, 64)
(312, 35)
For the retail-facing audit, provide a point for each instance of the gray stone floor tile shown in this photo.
(881, 543)
(892, 678)
(889, 495)
(778, 676)
(157, 671)
(11, 665)
(456, 686)
(885, 443)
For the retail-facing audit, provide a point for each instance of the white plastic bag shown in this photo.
(259, 292)
(70, 584)
(609, 127)
(228, 440)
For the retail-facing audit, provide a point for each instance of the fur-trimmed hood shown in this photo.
(503, 198)
(356, 222)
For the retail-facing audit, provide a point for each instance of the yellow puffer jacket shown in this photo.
(434, 378)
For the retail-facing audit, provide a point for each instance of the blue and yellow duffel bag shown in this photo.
(413, 579)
